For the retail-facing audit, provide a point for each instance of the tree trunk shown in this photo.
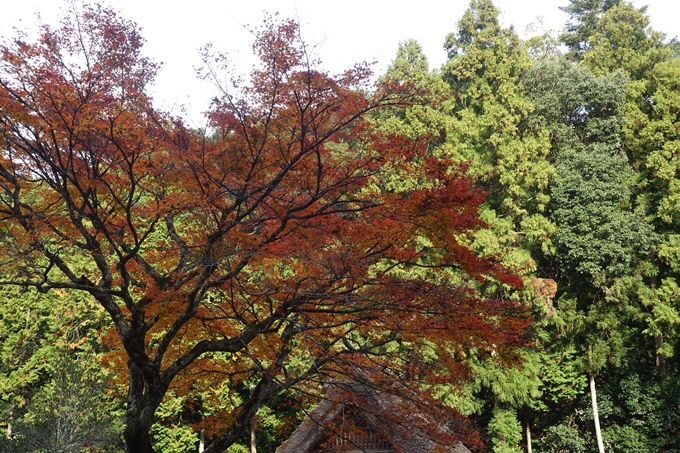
(596, 417)
(9, 420)
(138, 444)
(528, 432)
(143, 400)
(660, 358)
(201, 442)
(253, 437)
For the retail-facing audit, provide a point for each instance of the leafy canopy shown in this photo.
(265, 253)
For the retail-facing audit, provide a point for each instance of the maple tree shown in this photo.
(265, 253)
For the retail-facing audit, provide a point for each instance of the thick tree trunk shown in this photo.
(528, 432)
(596, 417)
(141, 443)
(143, 400)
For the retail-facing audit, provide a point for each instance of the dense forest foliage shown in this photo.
(498, 238)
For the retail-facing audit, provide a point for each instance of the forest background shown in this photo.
(574, 140)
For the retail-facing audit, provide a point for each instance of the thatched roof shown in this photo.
(407, 429)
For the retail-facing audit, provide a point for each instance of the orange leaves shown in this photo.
(290, 240)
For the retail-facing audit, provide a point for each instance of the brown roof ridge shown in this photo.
(409, 428)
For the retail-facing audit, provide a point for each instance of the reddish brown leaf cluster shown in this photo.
(266, 249)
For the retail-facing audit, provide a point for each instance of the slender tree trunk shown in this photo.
(660, 358)
(9, 421)
(658, 344)
(253, 437)
(201, 442)
(528, 432)
(596, 417)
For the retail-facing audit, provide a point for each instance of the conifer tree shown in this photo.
(424, 117)
(584, 19)
(625, 42)
(599, 237)
(488, 106)
(489, 130)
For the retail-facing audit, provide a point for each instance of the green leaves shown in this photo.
(72, 411)
(424, 117)
(172, 432)
(506, 431)
(596, 232)
(585, 16)
(624, 41)
(488, 114)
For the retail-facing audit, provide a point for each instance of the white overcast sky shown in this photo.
(347, 31)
